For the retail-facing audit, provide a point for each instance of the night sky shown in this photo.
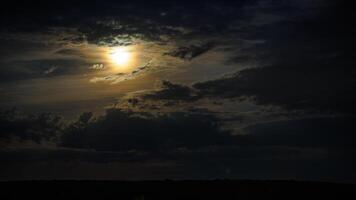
(134, 90)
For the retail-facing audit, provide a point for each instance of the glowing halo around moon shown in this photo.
(120, 57)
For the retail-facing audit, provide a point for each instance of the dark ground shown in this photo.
(170, 190)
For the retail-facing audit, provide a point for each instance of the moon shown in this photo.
(120, 56)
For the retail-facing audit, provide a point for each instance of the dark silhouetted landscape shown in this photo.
(175, 190)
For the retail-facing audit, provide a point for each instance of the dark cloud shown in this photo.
(37, 128)
(327, 132)
(12, 47)
(29, 69)
(119, 130)
(172, 91)
(305, 64)
(71, 52)
(323, 88)
(116, 23)
(281, 149)
(191, 52)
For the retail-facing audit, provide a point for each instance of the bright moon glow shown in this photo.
(120, 56)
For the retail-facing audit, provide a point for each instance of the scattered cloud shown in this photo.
(191, 52)
(120, 77)
(97, 66)
(50, 70)
(31, 69)
(171, 91)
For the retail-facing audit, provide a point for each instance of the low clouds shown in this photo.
(180, 141)
(117, 130)
(122, 131)
(325, 132)
(15, 125)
